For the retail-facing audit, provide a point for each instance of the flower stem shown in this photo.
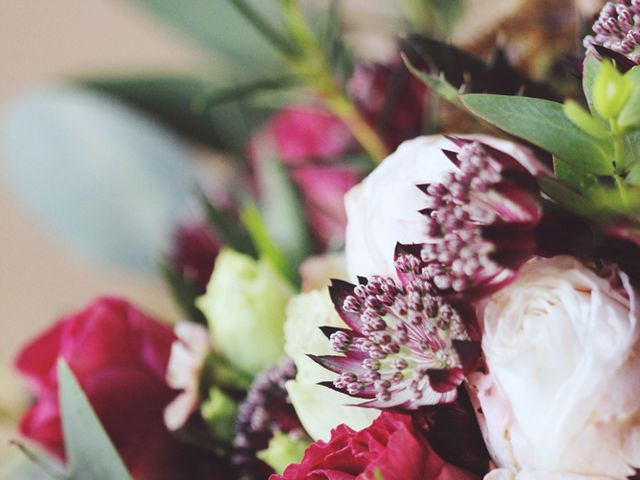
(311, 64)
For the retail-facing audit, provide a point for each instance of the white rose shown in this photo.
(563, 392)
(383, 209)
(319, 408)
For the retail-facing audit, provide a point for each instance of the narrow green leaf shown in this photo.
(231, 232)
(90, 453)
(544, 124)
(267, 248)
(281, 205)
(176, 102)
(220, 27)
(437, 83)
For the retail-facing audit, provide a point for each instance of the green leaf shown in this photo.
(544, 124)
(267, 248)
(184, 294)
(174, 101)
(590, 69)
(281, 205)
(437, 83)
(565, 196)
(231, 232)
(631, 149)
(575, 178)
(467, 73)
(219, 26)
(90, 453)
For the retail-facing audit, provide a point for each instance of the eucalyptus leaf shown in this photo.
(90, 453)
(437, 83)
(219, 26)
(544, 124)
(180, 103)
(103, 178)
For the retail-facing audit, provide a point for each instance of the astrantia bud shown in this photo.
(618, 29)
(481, 220)
(245, 306)
(265, 412)
(406, 347)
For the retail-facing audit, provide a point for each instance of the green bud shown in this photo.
(219, 411)
(245, 306)
(611, 90)
(282, 452)
(582, 119)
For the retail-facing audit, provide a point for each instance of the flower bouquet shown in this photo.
(482, 320)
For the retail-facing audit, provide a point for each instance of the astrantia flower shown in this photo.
(265, 411)
(481, 219)
(406, 347)
(617, 29)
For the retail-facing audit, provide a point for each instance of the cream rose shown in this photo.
(563, 394)
(383, 209)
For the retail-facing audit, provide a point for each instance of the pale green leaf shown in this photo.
(90, 453)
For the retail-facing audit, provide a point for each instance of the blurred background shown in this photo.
(53, 261)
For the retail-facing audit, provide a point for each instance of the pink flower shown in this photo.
(391, 447)
(194, 251)
(119, 356)
(188, 355)
(308, 140)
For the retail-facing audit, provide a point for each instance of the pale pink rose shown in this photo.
(188, 354)
(384, 208)
(563, 393)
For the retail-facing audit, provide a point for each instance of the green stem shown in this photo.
(260, 24)
(313, 66)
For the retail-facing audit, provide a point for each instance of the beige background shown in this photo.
(40, 41)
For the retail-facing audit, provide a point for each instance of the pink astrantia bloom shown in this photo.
(406, 347)
(481, 219)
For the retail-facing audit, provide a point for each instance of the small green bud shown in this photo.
(282, 452)
(219, 411)
(245, 306)
(611, 90)
(582, 119)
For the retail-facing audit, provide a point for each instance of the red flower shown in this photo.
(193, 254)
(119, 356)
(391, 447)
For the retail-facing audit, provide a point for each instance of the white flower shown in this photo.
(383, 209)
(563, 392)
(245, 306)
(319, 408)
(188, 354)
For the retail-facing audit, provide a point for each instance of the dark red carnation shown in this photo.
(391, 447)
(119, 356)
